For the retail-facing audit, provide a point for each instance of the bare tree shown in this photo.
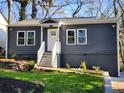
(22, 11)
(79, 4)
(34, 9)
(9, 11)
(51, 7)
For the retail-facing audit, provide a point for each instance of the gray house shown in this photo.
(57, 42)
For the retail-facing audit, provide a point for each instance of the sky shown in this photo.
(67, 10)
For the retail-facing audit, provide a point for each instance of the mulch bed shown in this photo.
(8, 85)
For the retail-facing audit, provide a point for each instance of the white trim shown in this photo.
(27, 38)
(6, 56)
(49, 25)
(67, 36)
(17, 39)
(41, 35)
(85, 37)
(118, 57)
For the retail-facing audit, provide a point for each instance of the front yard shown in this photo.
(59, 82)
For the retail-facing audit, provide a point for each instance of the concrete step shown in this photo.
(48, 53)
(46, 64)
(46, 60)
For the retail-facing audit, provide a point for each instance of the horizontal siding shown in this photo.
(105, 62)
(23, 50)
(100, 38)
(101, 48)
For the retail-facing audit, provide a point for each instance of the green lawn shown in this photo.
(56, 82)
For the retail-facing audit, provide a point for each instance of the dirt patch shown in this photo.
(8, 85)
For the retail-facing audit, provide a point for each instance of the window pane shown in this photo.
(30, 41)
(30, 34)
(81, 39)
(21, 41)
(70, 33)
(53, 33)
(30, 38)
(81, 32)
(21, 35)
(71, 40)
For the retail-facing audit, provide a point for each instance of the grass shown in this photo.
(55, 82)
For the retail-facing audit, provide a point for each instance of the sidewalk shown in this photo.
(118, 83)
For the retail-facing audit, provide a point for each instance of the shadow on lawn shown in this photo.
(9, 85)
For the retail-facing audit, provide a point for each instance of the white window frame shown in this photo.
(27, 38)
(67, 36)
(85, 43)
(18, 38)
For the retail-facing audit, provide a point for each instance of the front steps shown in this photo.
(46, 60)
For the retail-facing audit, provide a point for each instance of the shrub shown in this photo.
(2, 55)
(96, 68)
(122, 67)
(67, 65)
(28, 66)
(28, 58)
(14, 56)
(83, 66)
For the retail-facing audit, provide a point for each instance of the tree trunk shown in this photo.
(9, 10)
(34, 9)
(22, 11)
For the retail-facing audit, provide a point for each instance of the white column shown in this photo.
(41, 35)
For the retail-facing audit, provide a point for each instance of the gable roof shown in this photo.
(63, 21)
(49, 20)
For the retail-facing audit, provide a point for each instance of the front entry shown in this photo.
(51, 38)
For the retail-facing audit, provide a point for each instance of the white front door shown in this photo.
(51, 38)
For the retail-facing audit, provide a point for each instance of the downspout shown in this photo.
(6, 55)
(118, 57)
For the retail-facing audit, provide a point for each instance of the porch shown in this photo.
(49, 52)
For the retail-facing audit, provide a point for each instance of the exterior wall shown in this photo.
(3, 30)
(101, 48)
(23, 51)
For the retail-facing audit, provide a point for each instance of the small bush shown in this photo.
(67, 66)
(122, 67)
(96, 68)
(14, 56)
(83, 66)
(2, 55)
(28, 66)
(28, 58)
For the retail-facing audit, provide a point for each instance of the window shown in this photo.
(70, 36)
(20, 38)
(30, 38)
(81, 36)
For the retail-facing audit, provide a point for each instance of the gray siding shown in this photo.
(23, 51)
(101, 48)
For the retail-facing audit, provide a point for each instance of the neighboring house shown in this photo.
(57, 42)
(3, 30)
